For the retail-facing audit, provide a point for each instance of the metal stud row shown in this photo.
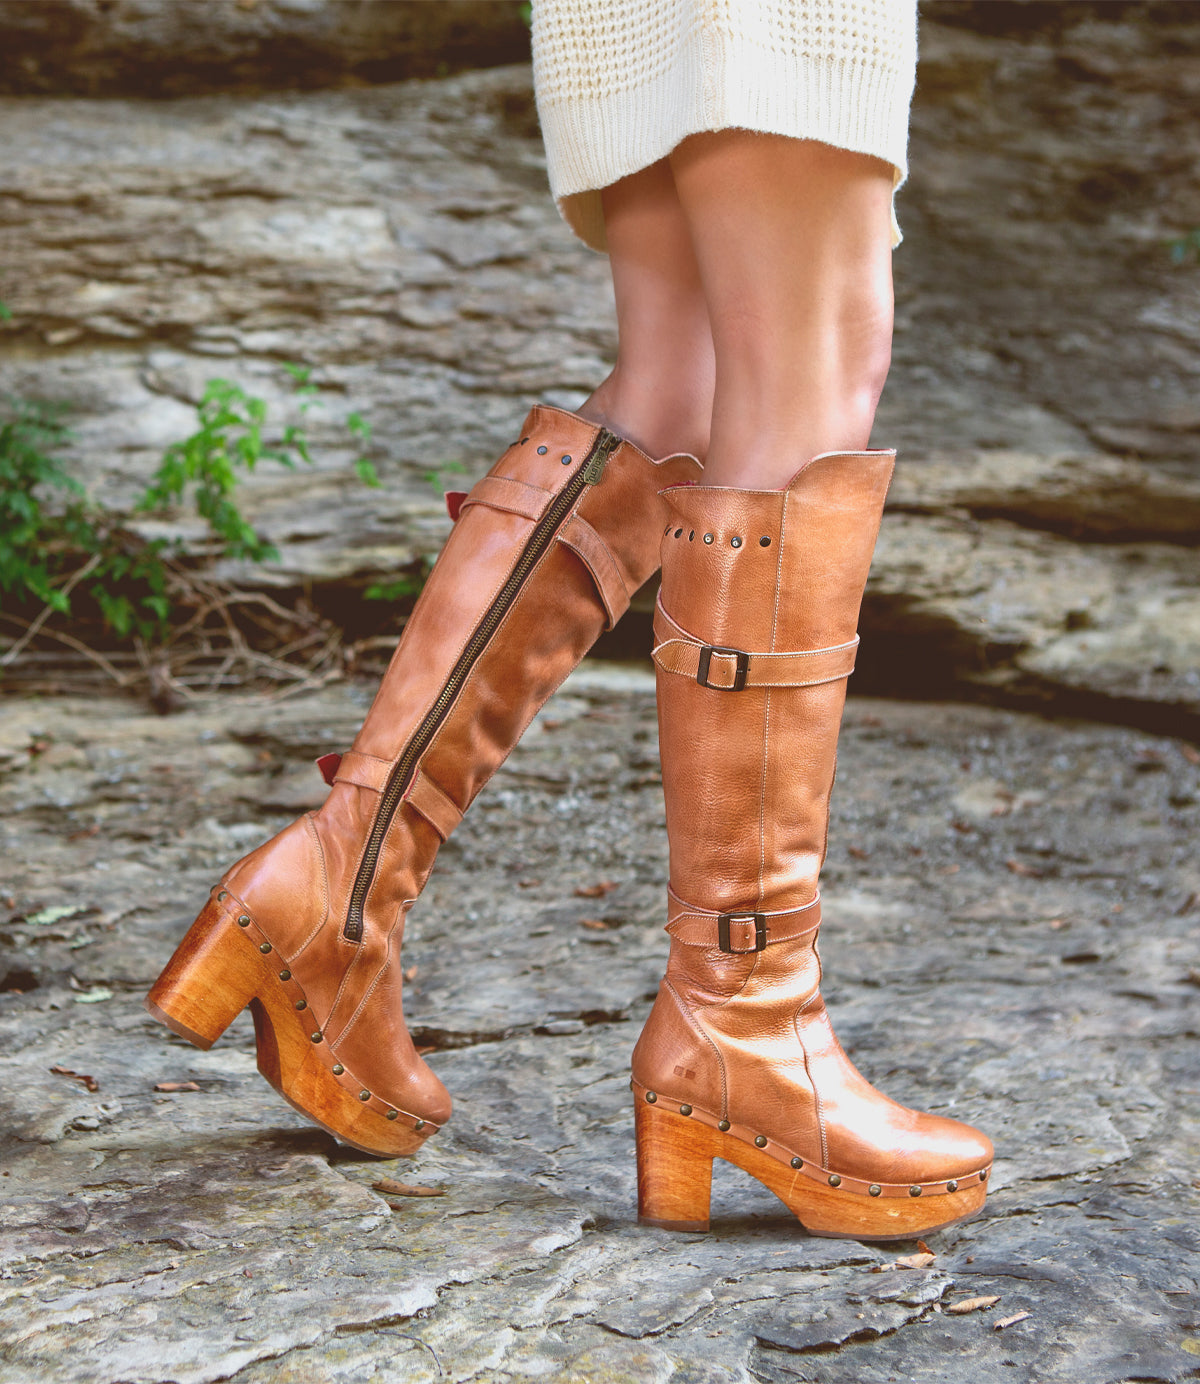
(735, 542)
(761, 1141)
(243, 920)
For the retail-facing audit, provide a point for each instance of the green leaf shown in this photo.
(367, 473)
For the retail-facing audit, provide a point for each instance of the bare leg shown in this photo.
(793, 243)
(660, 392)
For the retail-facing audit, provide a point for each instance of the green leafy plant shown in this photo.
(49, 551)
(55, 544)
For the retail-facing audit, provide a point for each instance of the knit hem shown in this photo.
(720, 82)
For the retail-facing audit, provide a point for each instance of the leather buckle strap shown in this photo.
(743, 922)
(741, 667)
(722, 668)
(741, 931)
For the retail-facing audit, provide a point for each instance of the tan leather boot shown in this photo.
(755, 637)
(546, 552)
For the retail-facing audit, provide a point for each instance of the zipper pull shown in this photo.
(606, 444)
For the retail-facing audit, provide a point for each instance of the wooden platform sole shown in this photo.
(219, 969)
(675, 1161)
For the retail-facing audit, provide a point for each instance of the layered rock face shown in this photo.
(399, 239)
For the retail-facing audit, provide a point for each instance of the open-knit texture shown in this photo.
(620, 83)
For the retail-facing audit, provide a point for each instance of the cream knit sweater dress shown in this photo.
(620, 82)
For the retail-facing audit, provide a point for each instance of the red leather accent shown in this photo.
(454, 502)
(328, 765)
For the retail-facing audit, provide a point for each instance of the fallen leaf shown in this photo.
(422, 1051)
(1191, 754)
(411, 973)
(856, 852)
(528, 883)
(1018, 867)
(923, 1247)
(596, 924)
(550, 725)
(596, 891)
(915, 1261)
(95, 996)
(175, 1086)
(1187, 905)
(974, 1304)
(405, 1189)
(93, 830)
(89, 1081)
(1190, 1344)
(1010, 1321)
(1193, 976)
(54, 914)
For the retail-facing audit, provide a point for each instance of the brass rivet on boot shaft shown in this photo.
(691, 535)
(650, 1097)
(301, 1004)
(316, 1037)
(391, 1114)
(952, 1186)
(222, 895)
(914, 1191)
(708, 537)
(338, 1069)
(735, 542)
(364, 1095)
(678, 533)
(566, 461)
(264, 947)
(760, 1141)
(983, 1175)
(244, 920)
(542, 451)
(797, 1163)
(420, 1124)
(285, 975)
(723, 1125)
(834, 1180)
(874, 1189)
(685, 1109)
(764, 542)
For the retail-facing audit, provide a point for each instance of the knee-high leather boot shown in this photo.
(545, 553)
(754, 638)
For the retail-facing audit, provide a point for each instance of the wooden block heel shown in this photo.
(675, 1153)
(674, 1163)
(212, 977)
(224, 965)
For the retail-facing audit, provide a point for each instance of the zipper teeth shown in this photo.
(401, 775)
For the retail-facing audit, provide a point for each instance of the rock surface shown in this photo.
(169, 48)
(400, 240)
(1010, 937)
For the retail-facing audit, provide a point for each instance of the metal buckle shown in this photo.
(739, 677)
(760, 932)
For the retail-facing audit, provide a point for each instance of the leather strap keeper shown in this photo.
(364, 770)
(433, 804)
(729, 670)
(586, 543)
(509, 494)
(740, 931)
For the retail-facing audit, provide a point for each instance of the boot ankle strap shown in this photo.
(730, 670)
(738, 932)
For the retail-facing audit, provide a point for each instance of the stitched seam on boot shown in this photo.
(370, 990)
(694, 1023)
(762, 807)
(310, 823)
(812, 1083)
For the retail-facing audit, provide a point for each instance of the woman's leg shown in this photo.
(660, 392)
(793, 243)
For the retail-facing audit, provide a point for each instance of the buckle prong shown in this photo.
(739, 677)
(760, 932)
